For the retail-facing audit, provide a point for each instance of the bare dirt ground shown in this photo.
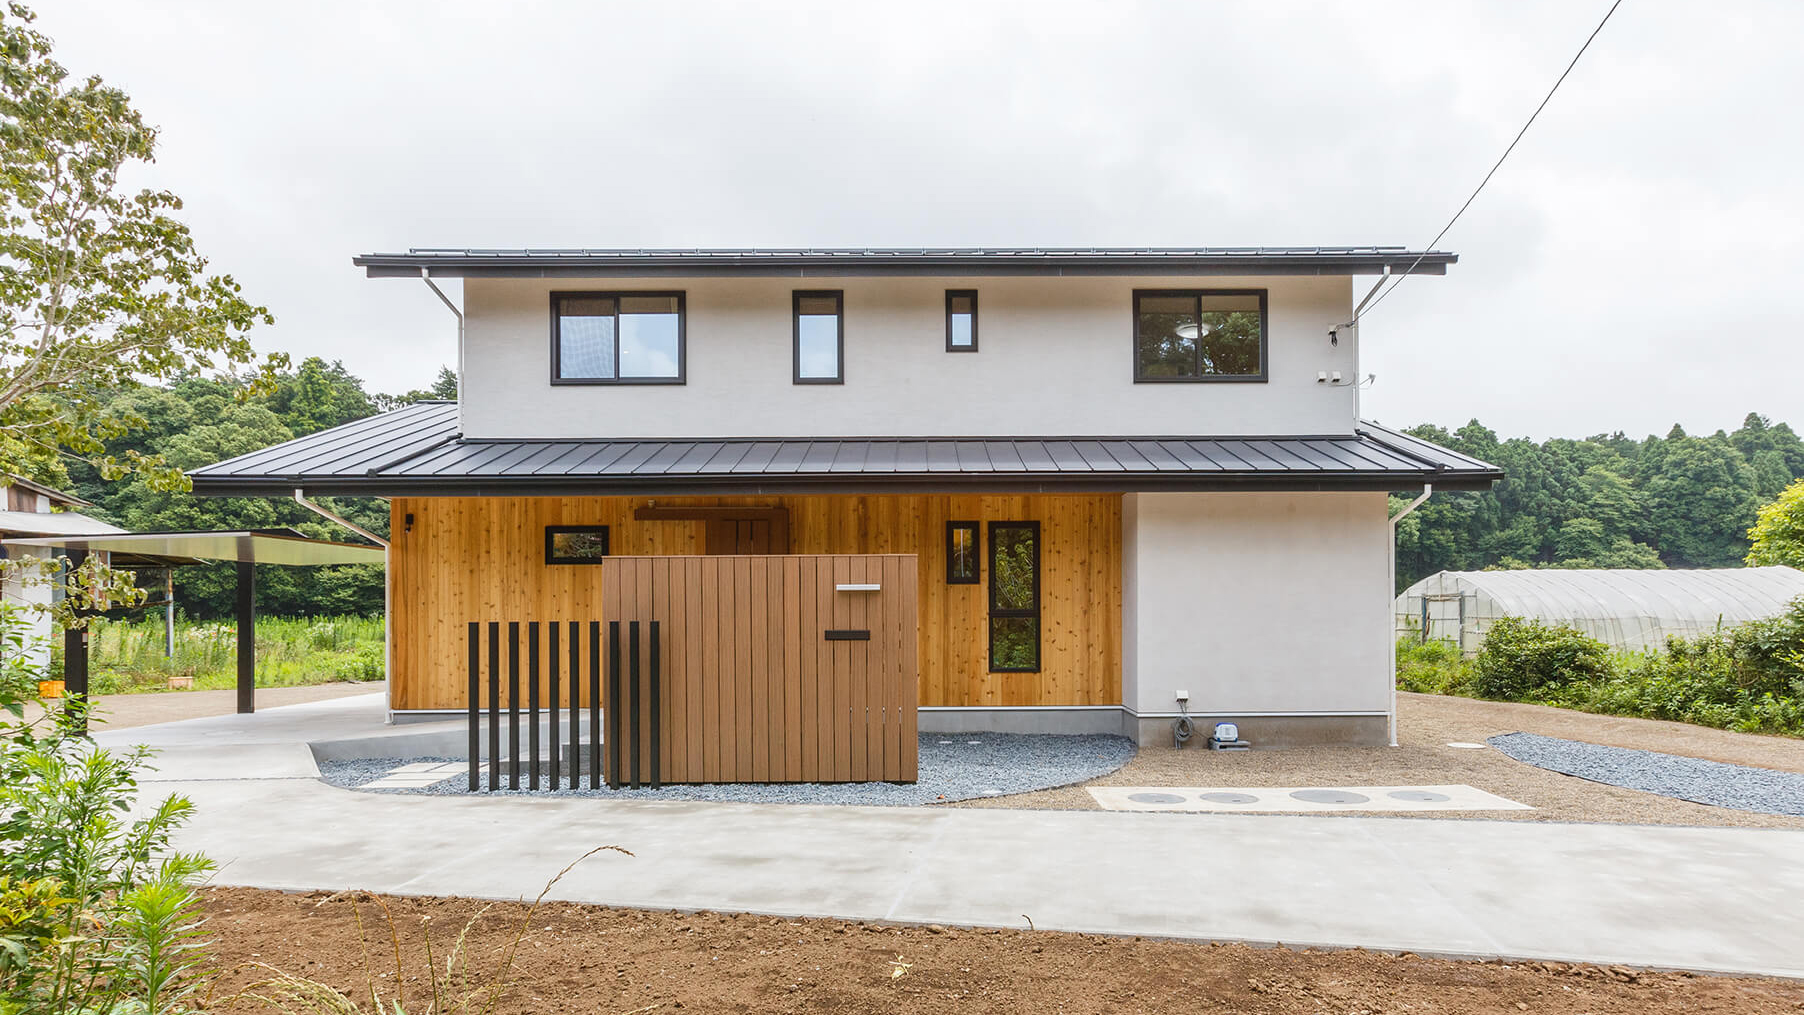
(576, 958)
(119, 711)
(1426, 724)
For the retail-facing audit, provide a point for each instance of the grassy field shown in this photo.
(127, 656)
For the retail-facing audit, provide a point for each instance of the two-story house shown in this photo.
(1136, 480)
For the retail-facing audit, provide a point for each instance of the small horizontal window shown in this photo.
(575, 544)
(617, 338)
(1199, 335)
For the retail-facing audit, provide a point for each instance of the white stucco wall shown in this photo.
(1256, 603)
(1055, 359)
(24, 595)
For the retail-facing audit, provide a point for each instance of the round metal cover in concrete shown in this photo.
(1228, 798)
(1420, 796)
(1329, 796)
(1155, 798)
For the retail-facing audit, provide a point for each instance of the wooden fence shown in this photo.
(794, 668)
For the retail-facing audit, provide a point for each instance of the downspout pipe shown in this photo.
(426, 277)
(388, 640)
(1391, 595)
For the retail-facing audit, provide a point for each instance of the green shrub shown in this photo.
(1521, 657)
(1432, 667)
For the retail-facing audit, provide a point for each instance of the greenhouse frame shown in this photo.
(1625, 609)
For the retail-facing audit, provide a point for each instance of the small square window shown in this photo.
(961, 320)
(575, 544)
(961, 553)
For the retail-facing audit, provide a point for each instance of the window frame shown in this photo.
(1265, 364)
(682, 305)
(1036, 613)
(796, 297)
(976, 578)
(553, 531)
(952, 294)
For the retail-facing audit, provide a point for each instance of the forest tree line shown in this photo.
(1602, 501)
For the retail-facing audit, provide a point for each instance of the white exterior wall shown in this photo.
(1256, 603)
(24, 596)
(1055, 359)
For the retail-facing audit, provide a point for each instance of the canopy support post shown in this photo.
(75, 660)
(247, 637)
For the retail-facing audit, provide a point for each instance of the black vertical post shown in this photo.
(576, 681)
(494, 705)
(595, 704)
(551, 709)
(657, 771)
(75, 662)
(615, 732)
(247, 637)
(475, 706)
(632, 699)
(532, 699)
(513, 704)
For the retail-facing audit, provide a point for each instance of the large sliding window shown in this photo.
(820, 337)
(617, 338)
(1199, 335)
(1014, 597)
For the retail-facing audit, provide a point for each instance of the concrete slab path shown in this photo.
(1698, 898)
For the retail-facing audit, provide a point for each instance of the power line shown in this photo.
(1500, 159)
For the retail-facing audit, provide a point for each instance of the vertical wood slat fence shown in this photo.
(715, 669)
(486, 689)
(790, 668)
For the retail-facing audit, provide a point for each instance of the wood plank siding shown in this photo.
(458, 559)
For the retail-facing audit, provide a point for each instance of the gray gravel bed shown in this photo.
(1706, 782)
(953, 766)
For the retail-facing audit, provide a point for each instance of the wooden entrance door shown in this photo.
(746, 531)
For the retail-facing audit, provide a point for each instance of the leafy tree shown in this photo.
(1778, 535)
(101, 288)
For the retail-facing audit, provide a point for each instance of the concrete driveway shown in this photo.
(1698, 898)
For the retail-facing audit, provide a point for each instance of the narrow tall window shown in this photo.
(617, 338)
(1014, 597)
(961, 553)
(820, 337)
(1199, 335)
(961, 320)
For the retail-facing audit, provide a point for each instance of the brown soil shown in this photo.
(1425, 725)
(120, 711)
(593, 959)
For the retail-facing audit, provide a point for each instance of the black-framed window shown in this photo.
(820, 336)
(961, 320)
(1014, 597)
(1199, 335)
(962, 567)
(617, 338)
(576, 544)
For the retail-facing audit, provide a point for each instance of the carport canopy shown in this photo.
(246, 547)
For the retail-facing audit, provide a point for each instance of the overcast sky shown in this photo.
(1636, 263)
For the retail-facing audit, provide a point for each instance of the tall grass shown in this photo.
(126, 656)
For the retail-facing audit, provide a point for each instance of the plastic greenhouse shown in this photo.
(1630, 610)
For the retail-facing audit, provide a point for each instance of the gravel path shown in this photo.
(959, 766)
(1706, 782)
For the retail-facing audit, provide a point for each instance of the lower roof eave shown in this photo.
(863, 483)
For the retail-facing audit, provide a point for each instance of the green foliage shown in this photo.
(1606, 501)
(1432, 667)
(101, 287)
(127, 655)
(1524, 656)
(1778, 535)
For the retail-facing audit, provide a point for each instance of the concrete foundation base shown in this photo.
(1109, 719)
(1264, 731)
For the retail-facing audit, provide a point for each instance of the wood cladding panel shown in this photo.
(483, 558)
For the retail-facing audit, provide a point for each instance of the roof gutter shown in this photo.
(426, 277)
(1427, 491)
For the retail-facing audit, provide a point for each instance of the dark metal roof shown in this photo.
(417, 450)
(856, 261)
